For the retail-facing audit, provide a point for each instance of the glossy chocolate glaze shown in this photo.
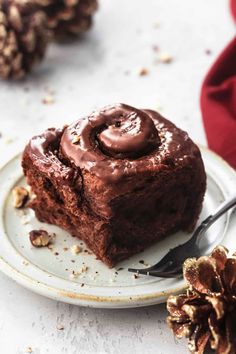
(116, 142)
(43, 150)
(120, 140)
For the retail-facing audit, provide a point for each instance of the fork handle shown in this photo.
(225, 206)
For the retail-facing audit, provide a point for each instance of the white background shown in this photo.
(100, 69)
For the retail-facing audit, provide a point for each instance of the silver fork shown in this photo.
(170, 266)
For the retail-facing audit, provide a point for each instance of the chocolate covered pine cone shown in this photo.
(68, 17)
(23, 37)
(206, 314)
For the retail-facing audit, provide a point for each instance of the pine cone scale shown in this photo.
(203, 273)
(197, 312)
(198, 340)
(218, 305)
(219, 254)
(15, 18)
(229, 276)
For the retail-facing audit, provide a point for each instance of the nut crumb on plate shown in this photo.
(75, 249)
(29, 350)
(74, 274)
(135, 276)
(40, 238)
(83, 269)
(20, 197)
(144, 263)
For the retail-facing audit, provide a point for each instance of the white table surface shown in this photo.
(100, 69)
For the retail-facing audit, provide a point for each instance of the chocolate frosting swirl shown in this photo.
(119, 140)
(124, 131)
(117, 131)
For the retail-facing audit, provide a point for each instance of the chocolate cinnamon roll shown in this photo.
(119, 179)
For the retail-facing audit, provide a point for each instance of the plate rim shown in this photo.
(84, 297)
(89, 300)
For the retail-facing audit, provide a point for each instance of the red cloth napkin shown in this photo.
(218, 102)
(233, 8)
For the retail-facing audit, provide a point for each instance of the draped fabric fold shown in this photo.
(218, 102)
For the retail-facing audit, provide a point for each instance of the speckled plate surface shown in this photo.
(49, 272)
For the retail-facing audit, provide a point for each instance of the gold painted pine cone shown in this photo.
(23, 37)
(206, 314)
(68, 17)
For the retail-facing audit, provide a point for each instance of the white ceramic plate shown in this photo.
(48, 272)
